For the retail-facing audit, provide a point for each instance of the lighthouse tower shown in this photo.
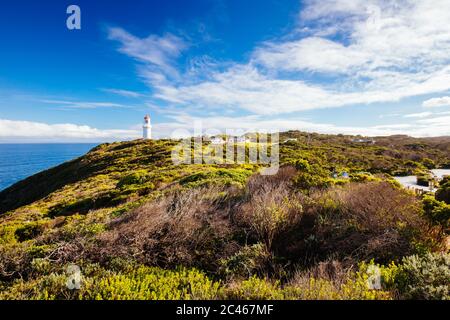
(147, 128)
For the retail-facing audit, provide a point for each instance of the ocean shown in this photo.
(19, 161)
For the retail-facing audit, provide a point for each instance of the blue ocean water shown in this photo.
(18, 161)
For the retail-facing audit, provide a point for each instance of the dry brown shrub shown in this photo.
(189, 228)
(378, 205)
(334, 271)
(258, 183)
(372, 220)
(69, 251)
(14, 262)
(270, 206)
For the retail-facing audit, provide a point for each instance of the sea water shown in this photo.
(18, 161)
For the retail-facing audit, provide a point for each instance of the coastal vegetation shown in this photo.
(139, 226)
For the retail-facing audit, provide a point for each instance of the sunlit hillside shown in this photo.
(141, 227)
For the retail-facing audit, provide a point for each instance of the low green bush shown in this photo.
(423, 180)
(307, 181)
(428, 163)
(363, 177)
(226, 177)
(248, 261)
(253, 288)
(137, 177)
(425, 277)
(7, 234)
(355, 288)
(443, 193)
(152, 284)
(20, 232)
(141, 283)
(30, 231)
(438, 212)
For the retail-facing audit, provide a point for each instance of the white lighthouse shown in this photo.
(147, 128)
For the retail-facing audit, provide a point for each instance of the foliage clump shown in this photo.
(227, 177)
(438, 212)
(426, 277)
(443, 193)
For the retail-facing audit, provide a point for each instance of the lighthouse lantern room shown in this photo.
(147, 128)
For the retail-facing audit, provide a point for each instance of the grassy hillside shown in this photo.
(140, 227)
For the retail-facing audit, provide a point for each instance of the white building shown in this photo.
(229, 140)
(217, 140)
(147, 128)
(361, 140)
(242, 139)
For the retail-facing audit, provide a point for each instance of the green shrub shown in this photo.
(305, 287)
(302, 165)
(423, 180)
(248, 261)
(306, 181)
(354, 288)
(152, 284)
(426, 277)
(391, 276)
(253, 289)
(416, 277)
(7, 234)
(20, 232)
(225, 177)
(41, 266)
(443, 193)
(141, 283)
(29, 231)
(438, 212)
(363, 177)
(137, 177)
(428, 163)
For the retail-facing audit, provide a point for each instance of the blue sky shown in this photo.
(359, 67)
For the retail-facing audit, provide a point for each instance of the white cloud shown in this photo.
(386, 51)
(246, 87)
(391, 50)
(315, 9)
(418, 115)
(437, 102)
(437, 121)
(310, 54)
(11, 130)
(83, 104)
(124, 93)
(183, 125)
(158, 52)
(399, 126)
